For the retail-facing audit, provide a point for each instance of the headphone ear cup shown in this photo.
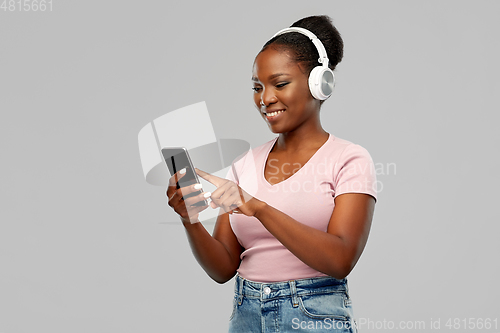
(321, 82)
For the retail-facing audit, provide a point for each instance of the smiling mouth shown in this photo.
(272, 114)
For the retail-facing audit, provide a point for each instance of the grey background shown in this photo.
(83, 242)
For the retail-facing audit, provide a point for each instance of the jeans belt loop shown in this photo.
(240, 291)
(293, 289)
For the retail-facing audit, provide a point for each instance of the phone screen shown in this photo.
(177, 159)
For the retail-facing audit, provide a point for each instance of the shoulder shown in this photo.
(343, 150)
(353, 168)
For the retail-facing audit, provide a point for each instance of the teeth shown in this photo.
(272, 114)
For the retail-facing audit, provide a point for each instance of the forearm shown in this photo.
(211, 254)
(320, 250)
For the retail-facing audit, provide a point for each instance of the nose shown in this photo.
(268, 97)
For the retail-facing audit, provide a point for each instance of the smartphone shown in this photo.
(176, 159)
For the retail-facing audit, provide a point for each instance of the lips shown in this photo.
(272, 115)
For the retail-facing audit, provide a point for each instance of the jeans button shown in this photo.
(267, 290)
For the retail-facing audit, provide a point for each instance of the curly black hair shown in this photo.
(303, 49)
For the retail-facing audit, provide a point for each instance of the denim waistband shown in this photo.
(292, 288)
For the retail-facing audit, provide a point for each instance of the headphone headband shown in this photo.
(323, 58)
(321, 79)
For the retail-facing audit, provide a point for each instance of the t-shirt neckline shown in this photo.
(272, 143)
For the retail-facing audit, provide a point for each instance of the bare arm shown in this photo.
(218, 255)
(334, 252)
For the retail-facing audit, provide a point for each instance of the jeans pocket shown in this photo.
(322, 306)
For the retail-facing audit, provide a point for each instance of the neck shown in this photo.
(302, 139)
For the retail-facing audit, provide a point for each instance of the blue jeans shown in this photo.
(320, 304)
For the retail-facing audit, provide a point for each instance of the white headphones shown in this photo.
(321, 79)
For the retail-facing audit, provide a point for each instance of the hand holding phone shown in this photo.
(177, 158)
(183, 200)
(184, 191)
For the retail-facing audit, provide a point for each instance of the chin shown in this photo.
(275, 130)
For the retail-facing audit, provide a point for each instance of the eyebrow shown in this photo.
(271, 76)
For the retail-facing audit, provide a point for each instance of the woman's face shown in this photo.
(282, 92)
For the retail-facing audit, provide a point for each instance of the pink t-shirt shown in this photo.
(307, 196)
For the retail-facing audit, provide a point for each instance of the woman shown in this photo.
(296, 237)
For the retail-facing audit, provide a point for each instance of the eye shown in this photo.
(256, 89)
(282, 84)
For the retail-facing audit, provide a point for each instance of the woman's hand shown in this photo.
(185, 208)
(230, 197)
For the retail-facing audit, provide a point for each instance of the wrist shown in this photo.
(260, 208)
(188, 221)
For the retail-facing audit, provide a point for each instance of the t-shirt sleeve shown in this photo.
(230, 174)
(236, 168)
(355, 172)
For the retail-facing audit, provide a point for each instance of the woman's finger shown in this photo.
(197, 198)
(234, 201)
(195, 210)
(211, 178)
(192, 214)
(222, 191)
(228, 197)
(186, 208)
(172, 182)
(175, 200)
(187, 190)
